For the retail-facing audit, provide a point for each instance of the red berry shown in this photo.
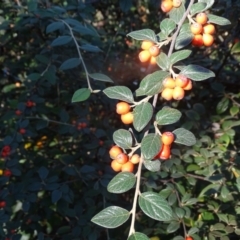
(2, 204)
(22, 131)
(7, 173)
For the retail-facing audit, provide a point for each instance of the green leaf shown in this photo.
(100, 77)
(210, 189)
(179, 212)
(150, 146)
(173, 227)
(179, 55)
(81, 94)
(236, 48)
(176, 14)
(197, 73)
(184, 137)
(192, 231)
(122, 182)
(218, 20)
(162, 61)
(120, 93)
(32, 5)
(56, 195)
(168, 116)
(152, 83)
(192, 115)
(208, 2)
(111, 217)
(70, 63)
(123, 138)
(153, 166)
(90, 48)
(234, 110)
(230, 124)
(154, 206)
(34, 76)
(138, 236)
(144, 34)
(125, 5)
(54, 26)
(142, 115)
(167, 26)
(222, 106)
(183, 39)
(62, 40)
(197, 8)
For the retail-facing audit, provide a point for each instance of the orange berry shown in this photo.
(189, 85)
(128, 167)
(209, 28)
(164, 153)
(117, 167)
(177, 3)
(166, 5)
(122, 108)
(181, 81)
(178, 93)
(167, 94)
(144, 56)
(146, 44)
(208, 39)
(114, 151)
(197, 40)
(167, 138)
(122, 158)
(169, 83)
(153, 60)
(127, 118)
(196, 28)
(154, 51)
(135, 159)
(201, 18)
(189, 238)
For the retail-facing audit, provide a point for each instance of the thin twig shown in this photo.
(178, 29)
(79, 54)
(50, 120)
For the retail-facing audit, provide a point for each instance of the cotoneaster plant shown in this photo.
(187, 22)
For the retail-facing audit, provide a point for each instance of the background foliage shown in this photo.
(60, 165)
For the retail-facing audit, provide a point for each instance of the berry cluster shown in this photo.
(121, 161)
(165, 151)
(175, 88)
(123, 109)
(203, 31)
(167, 5)
(6, 151)
(149, 52)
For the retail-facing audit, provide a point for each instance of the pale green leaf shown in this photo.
(123, 138)
(119, 92)
(154, 206)
(100, 77)
(185, 137)
(70, 63)
(111, 217)
(122, 182)
(150, 146)
(168, 116)
(81, 94)
(144, 34)
(142, 115)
